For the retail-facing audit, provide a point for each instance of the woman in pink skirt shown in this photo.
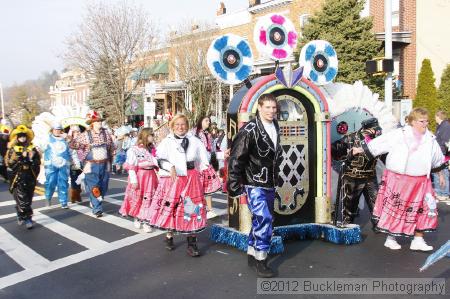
(179, 203)
(142, 180)
(406, 204)
(210, 179)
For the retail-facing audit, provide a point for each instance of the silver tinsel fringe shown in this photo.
(330, 233)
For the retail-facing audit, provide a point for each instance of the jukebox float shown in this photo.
(308, 116)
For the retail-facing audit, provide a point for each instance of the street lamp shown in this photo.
(388, 51)
(1, 97)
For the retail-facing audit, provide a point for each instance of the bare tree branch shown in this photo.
(108, 46)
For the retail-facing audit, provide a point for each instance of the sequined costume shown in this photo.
(96, 151)
(252, 172)
(57, 167)
(358, 175)
(23, 161)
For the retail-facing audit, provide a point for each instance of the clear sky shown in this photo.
(32, 32)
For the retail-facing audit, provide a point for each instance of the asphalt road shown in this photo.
(70, 254)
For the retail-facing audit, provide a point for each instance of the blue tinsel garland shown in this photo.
(330, 233)
(232, 237)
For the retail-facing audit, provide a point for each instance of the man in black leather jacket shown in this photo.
(358, 175)
(253, 172)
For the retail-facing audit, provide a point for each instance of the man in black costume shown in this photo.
(253, 173)
(358, 175)
(23, 161)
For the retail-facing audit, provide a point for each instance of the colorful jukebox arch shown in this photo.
(304, 188)
(303, 191)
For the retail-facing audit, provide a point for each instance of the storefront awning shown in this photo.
(158, 68)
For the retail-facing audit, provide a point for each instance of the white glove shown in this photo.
(80, 179)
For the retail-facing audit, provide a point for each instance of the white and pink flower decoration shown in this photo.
(275, 36)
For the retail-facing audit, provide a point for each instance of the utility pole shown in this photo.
(3, 105)
(388, 51)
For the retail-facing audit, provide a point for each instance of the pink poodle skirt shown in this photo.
(180, 205)
(137, 201)
(403, 205)
(210, 180)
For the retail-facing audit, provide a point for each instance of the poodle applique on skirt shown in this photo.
(180, 205)
(405, 204)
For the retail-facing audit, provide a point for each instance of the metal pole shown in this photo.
(3, 106)
(388, 51)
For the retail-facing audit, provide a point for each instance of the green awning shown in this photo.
(161, 67)
(135, 106)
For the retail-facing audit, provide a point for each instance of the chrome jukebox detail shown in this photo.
(293, 184)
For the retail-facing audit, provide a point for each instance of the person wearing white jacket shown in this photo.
(405, 204)
(179, 203)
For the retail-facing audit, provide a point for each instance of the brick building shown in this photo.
(171, 91)
(71, 90)
(419, 30)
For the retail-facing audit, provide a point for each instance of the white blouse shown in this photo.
(406, 154)
(138, 157)
(170, 153)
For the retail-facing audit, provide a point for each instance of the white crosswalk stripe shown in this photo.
(68, 232)
(115, 220)
(34, 264)
(20, 253)
(39, 269)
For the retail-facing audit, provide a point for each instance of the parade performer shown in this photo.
(123, 143)
(358, 175)
(222, 154)
(141, 165)
(4, 138)
(179, 203)
(97, 149)
(442, 138)
(23, 162)
(76, 168)
(57, 165)
(406, 204)
(253, 173)
(211, 181)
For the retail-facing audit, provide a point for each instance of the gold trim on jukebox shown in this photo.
(322, 116)
(323, 209)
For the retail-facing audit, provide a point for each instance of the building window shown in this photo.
(395, 13)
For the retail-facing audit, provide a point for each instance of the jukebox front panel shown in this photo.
(294, 201)
(293, 183)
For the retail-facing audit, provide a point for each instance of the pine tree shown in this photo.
(444, 90)
(103, 97)
(426, 94)
(339, 23)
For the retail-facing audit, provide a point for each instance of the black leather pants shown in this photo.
(352, 190)
(23, 195)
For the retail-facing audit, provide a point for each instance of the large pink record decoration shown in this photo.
(230, 59)
(319, 61)
(275, 36)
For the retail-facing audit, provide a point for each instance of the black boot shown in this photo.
(251, 261)
(169, 244)
(262, 270)
(192, 249)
